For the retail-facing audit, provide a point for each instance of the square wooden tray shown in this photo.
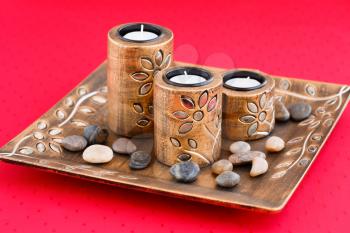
(39, 146)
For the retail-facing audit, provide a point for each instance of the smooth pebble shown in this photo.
(247, 157)
(227, 179)
(300, 111)
(139, 160)
(281, 112)
(185, 172)
(98, 154)
(239, 147)
(94, 134)
(221, 166)
(274, 144)
(259, 166)
(74, 143)
(124, 146)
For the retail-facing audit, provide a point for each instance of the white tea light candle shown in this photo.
(244, 82)
(141, 35)
(187, 78)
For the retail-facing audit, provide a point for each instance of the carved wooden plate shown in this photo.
(39, 146)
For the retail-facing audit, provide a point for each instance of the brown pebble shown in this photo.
(124, 146)
(220, 166)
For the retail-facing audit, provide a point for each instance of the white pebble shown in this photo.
(274, 144)
(239, 147)
(259, 166)
(98, 154)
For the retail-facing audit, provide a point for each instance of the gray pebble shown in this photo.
(185, 172)
(220, 166)
(239, 147)
(227, 179)
(281, 112)
(139, 160)
(124, 146)
(300, 111)
(247, 157)
(94, 134)
(74, 143)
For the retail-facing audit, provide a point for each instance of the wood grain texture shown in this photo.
(130, 71)
(269, 192)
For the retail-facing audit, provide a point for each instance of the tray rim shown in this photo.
(162, 191)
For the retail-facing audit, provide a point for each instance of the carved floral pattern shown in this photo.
(256, 116)
(150, 68)
(193, 114)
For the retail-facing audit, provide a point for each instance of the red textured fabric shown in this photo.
(48, 48)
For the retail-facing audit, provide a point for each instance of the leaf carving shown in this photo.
(79, 123)
(175, 142)
(187, 102)
(295, 140)
(26, 151)
(42, 125)
(192, 143)
(279, 174)
(40, 147)
(310, 89)
(331, 101)
(252, 107)
(87, 110)
(167, 61)
(138, 108)
(262, 101)
(145, 88)
(140, 76)
(159, 57)
(97, 99)
(212, 103)
(203, 99)
(185, 127)
(247, 119)
(55, 131)
(60, 114)
(252, 129)
(147, 63)
(284, 164)
(143, 122)
(180, 114)
(54, 147)
(307, 121)
(294, 151)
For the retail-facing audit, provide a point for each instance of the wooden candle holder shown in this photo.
(131, 68)
(187, 118)
(248, 113)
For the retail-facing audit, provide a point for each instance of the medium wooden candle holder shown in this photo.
(187, 117)
(248, 112)
(132, 64)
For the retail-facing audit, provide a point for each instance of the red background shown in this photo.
(47, 48)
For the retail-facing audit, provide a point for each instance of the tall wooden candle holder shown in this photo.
(187, 118)
(136, 53)
(248, 105)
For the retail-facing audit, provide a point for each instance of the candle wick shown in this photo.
(142, 26)
(185, 74)
(248, 77)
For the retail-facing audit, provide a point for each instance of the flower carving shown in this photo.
(195, 112)
(150, 67)
(256, 116)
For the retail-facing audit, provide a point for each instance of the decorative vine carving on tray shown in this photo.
(256, 115)
(150, 68)
(193, 114)
(322, 117)
(46, 137)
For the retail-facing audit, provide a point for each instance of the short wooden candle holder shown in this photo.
(134, 58)
(248, 112)
(187, 117)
